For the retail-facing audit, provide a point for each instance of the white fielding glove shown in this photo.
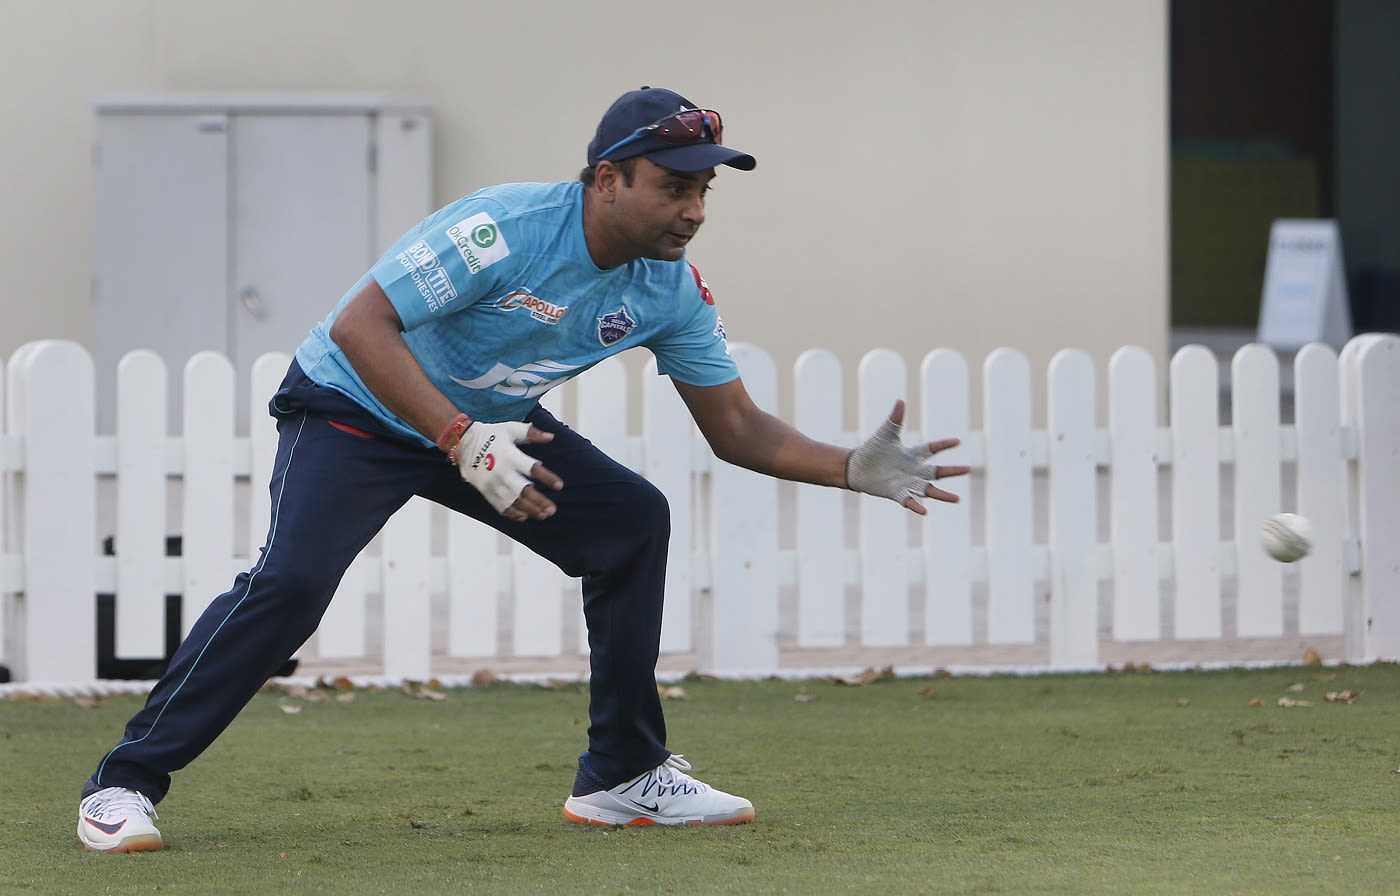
(489, 460)
(884, 467)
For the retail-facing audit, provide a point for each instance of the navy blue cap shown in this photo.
(647, 105)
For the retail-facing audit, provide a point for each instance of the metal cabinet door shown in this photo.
(302, 221)
(160, 277)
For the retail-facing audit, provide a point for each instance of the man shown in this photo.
(425, 379)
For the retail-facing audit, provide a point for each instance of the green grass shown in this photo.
(1135, 783)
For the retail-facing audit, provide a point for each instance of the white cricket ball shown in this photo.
(1287, 537)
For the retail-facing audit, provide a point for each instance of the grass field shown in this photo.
(1141, 783)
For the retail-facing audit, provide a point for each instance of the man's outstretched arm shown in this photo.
(741, 433)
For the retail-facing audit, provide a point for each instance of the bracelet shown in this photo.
(447, 442)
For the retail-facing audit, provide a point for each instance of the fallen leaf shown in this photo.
(86, 702)
(290, 709)
(559, 684)
(1257, 701)
(1311, 657)
(1290, 702)
(1341, 696)
(427, 693)
(344, 698)
(803, 698)
(1183, 701)
(1296, 688)
(674, 693)
(483, 677)
(869, 676)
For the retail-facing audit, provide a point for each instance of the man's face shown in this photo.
(658, 215)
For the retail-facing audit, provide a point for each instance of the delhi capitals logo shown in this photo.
(615, 325)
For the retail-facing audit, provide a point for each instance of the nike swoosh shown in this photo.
(104, 827)
(653, 808)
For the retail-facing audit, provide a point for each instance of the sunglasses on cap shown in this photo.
(681, 129)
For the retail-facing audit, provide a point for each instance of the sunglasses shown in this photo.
(683, 128)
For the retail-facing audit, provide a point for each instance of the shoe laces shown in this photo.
(672, 773)
(119, 802)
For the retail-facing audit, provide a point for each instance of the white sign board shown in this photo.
(1305, 292)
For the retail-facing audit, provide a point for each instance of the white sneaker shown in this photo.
(664, 795)
(118, 820)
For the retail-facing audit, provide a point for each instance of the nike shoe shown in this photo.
(663, 795)
(118, 820)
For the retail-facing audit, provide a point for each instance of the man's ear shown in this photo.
(607, 179)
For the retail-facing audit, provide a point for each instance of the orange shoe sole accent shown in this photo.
(647, 822)
(146, 843)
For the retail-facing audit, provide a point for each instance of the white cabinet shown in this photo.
(235, 223)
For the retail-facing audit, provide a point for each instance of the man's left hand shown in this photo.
(884, 467)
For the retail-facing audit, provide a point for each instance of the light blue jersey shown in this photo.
(501, 302)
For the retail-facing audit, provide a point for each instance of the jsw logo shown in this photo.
(528, 381)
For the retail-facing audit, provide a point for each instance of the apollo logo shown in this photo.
(541, 310)
(527, 381)
(479, 241)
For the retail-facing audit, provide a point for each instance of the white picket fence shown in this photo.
(1075, 545)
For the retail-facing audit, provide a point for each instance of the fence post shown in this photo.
(1321, 489)
(668, 439)
(883, 526)
(1254, 423)
(8, 570)
(52, 407)
(140, 537)
(1010, 537)
(947, 533)
(1074, 586)
(821, 513)
(210, 385)
(1132, 430)
(1372, 370)
(1194, 413)
(740, 631)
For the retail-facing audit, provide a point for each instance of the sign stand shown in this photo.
(1305, 292)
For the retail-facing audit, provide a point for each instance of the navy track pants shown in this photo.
(338, 477)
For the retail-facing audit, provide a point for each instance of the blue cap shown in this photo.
(647, 105)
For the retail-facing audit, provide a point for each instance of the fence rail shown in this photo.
(1075, 544)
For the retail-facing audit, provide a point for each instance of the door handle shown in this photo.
(252, 302)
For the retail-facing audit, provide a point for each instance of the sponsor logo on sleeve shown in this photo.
(431, 281)
(541, 310)
(615, 325)
(479, 241)
(704, 287)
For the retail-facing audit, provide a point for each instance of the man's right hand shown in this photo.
(490, 461)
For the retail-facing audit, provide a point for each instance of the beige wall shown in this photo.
(962, 173)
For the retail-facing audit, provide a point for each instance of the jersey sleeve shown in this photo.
(443, 266)
(694, 351)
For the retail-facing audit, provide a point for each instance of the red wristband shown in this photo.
(447, 442)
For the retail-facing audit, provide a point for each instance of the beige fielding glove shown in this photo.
(489, 461)
(884, 467)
